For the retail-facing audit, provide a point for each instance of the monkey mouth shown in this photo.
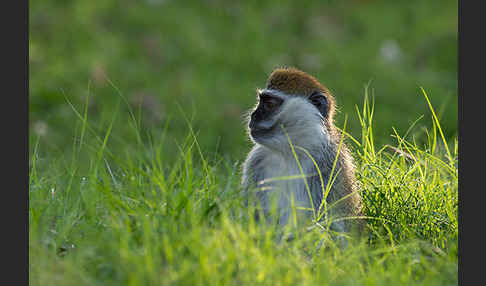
(259, 132)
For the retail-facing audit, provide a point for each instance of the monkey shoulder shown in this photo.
(255, 160)
(261, 164)
(250, 166)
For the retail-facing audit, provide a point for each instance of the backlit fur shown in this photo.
(300, 122)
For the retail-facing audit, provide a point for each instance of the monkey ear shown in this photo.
(319, 100)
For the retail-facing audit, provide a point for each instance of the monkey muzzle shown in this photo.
(258, 132)
(259, 127)
(261, 130)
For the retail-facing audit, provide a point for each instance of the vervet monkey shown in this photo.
(293, 131)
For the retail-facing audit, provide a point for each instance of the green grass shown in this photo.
(168, 212)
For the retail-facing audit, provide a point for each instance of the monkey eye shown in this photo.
(269, 103)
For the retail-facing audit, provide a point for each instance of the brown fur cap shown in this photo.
(293, 81)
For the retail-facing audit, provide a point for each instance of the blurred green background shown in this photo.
(206, 58)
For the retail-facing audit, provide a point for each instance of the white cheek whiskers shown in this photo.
(303, 124)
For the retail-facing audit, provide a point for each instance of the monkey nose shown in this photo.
(252, 124)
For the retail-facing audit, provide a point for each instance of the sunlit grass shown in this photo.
(147, 217)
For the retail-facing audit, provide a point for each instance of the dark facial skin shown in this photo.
(268, 104)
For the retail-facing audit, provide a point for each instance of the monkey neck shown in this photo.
(305, 152)
(294, 160)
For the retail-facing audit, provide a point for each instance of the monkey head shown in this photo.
(295, 106)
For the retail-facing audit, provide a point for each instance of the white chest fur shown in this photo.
(285, 185)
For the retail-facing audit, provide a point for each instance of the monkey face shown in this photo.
(279, 118)
(263, 119)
